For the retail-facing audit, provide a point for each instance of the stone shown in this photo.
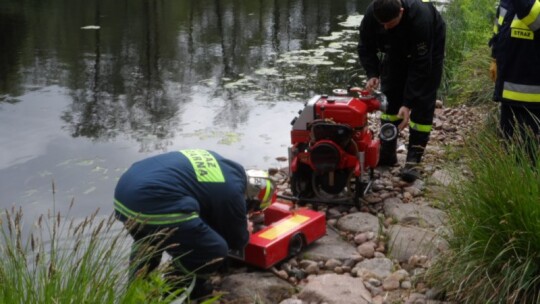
(335, 289)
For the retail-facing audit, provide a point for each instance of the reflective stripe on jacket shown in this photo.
(413, 125)
(153, 219)
(516, 48)
(176, 187)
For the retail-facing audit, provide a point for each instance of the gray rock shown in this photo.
(255, 287)
(333, 213)
(442, 177)
(405, 242)
(359, 222)
(332, 263)
(335, 289)
(412, 214)
(380, 267)
(292, 301)
(367, 250)
(330, 246)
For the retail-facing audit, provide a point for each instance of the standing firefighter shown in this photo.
(193, 204)
(401, 48)
(516, 66)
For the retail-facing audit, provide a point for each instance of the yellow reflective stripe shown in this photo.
(521, 92)
(516, 23)
(520, 30)
(389, 117)
(522, 34)
(419, 127)
(265, 200)
(499, 21)
(532, 20)
(524, 97)
(426, 1)
(205, 165)
(154, 219)
(282, 227)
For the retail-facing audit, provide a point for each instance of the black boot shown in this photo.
(417, 145)
(203, 289)
(411, 170)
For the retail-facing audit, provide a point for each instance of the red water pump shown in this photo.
(334, 153)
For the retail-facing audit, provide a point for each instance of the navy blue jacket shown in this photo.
(184, 182)
(516, 47)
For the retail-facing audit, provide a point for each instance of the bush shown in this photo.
(62, 261)
(494, 216)
(469, 28)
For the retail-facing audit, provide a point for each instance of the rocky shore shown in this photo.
(377, 254)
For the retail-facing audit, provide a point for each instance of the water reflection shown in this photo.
(113, 81)
(12, 33)
(143, 56)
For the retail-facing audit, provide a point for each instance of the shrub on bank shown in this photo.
(60, 261)
(494, 219)
(494, 211)
(469, 28)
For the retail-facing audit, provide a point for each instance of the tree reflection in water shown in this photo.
(138, 69)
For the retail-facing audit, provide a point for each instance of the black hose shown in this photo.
(310, 200)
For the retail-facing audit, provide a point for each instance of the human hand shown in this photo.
(493, 70)
(250, 226)
(404, 113)
(372, 84)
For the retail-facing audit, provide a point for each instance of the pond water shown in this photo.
(89, 87)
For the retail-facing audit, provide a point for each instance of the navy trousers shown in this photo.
(194, 247)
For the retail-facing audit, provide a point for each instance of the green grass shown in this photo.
(58, 260)
(494, 209)
(469, 28)
(494, 254)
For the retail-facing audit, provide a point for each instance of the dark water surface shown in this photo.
(89, 87)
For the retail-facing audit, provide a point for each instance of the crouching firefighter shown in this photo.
(401, 48)
(192, 204)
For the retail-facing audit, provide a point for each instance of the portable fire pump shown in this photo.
(331, 160)
(333, 152)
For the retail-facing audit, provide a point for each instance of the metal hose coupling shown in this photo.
(388, 132)
(382, 99)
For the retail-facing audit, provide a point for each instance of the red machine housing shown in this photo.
(333, 151)
(287, 231)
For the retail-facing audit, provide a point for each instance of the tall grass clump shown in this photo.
(469, 28)
(494, 221)
(72, 261)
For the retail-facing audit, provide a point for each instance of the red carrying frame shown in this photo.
(284, 226)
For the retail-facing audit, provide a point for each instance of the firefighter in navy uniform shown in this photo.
(202, 199)
(516, 52)
(401, 48)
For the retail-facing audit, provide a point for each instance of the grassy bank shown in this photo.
(494, 212)
(494, 219)
(85, 261)
(469, 28)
